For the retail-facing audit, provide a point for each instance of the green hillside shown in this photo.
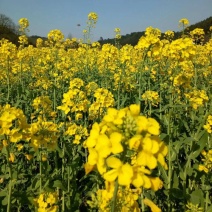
(133, 38)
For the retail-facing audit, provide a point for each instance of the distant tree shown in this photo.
(6, 22)
(8, 29)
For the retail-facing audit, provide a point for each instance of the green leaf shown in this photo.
(175, 180)
(177, 193)
(4, 201)
(163, 172)
(46, 184)
(58, 184)
(197, 197)
(15, 175)
(209, 209)
(197, 148)
(189, 171)
(3, 193)
(182, 176)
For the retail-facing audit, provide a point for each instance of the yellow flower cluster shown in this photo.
(43, 106)
(208, 125)
(197, 98)
(126, 199)
(76, 99)
(46, 202)
(207, 166)
(13, 124)
(23, 40)
(169, 34)
(197, 35)
(151, 39)
(152, 97)
(24, 23)
(43, 134)
(77, 131)
(117, 33)
(103, 99)
(93, 16)
(91, 23)
(180, 49)
(184, 22)
(55, 37)
(126, 147)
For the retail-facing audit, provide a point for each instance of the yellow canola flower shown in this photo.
(24, 23)
(135, 142)
(153, 126)
(134, 109)
(184, 21)
(208, 125)
(207, 161)
(93, 16)
(92, 139)
(122, 131)
(28, 156)
(12, 157)
(123, 172)
(140, 177)
(95, 160)
(146, 158)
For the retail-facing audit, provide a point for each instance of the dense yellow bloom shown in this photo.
(79, 132)
(198, 35)
(120, 131)
(184, 22)
(126, 200)
(152, 97)
(55, 36)
(208, 125)
(43, 134)
(169, 34)
(23, 40)
(197, 98)
(93, 16)
(207, 161)
(24, 23)
(8, 116)
(46, 202)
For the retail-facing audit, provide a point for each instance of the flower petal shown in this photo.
(111, 175)
(113, 162)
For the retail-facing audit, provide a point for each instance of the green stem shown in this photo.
(118, 106)
(142, 201)
(69, 194)
(63, 176)
(10, 181)
(207, 200)
(114, 196)
(8, 80)
(40, 167)
(169, 151)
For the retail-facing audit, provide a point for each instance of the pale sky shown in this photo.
(128, 15)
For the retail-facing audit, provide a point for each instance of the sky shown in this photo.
(128, 15)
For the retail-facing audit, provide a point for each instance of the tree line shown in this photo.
(9, 31)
